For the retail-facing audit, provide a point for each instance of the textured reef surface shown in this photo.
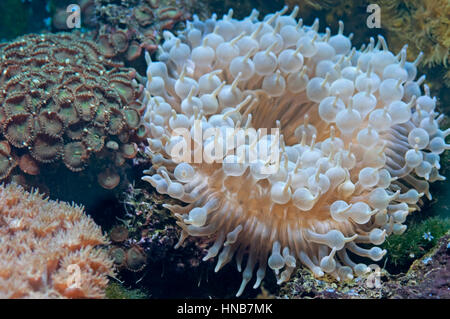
(62, 101)
(87, 116)
(428, 278)
(49, 249)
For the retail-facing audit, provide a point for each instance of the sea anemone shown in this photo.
(353, 143)
(49, 249)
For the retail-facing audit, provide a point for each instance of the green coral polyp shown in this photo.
(86, 106)
(51, 124)
(18, 130)
(16, 104)
(94, 139)
(6, 165)
(132, 118)
(75, 156)
(46, 149)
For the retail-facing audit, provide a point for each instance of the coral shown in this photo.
(49, 249)
(352, 147)
(62, 101)
(128, 255)
(118, 234)
(204, 9)
(152, 229)
(424, 25)
(146, 233)
(135, 258)
(129, 27)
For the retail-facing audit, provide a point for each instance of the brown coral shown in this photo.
(136, 258)
(119, 234)
(118, 33)
(424, 25)
(61, 100)
(49, 249)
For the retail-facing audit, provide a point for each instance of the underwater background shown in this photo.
(140, 232)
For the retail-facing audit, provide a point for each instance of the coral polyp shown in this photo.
(49, 249)
(352, 141)
(130, 27)
(61, 100)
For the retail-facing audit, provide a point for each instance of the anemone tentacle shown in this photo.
(351, 143)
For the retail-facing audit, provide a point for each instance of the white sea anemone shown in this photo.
(355, 142)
